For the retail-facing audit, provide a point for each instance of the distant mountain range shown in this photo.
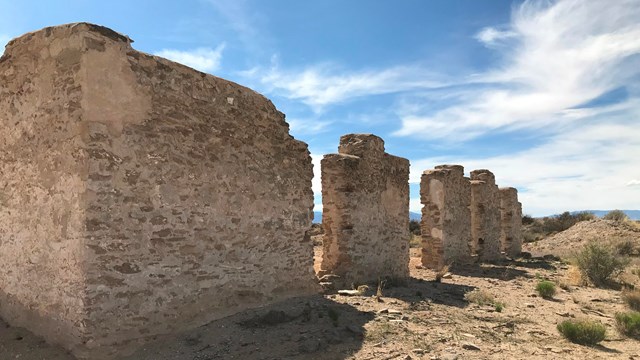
(317, 216)
(632, 214)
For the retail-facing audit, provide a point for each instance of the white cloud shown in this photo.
(491, 36)
(316, 183)
(308, 126)
(634, 182)
(203, 59)
(325, 84)
(582, 168)
(562, 55)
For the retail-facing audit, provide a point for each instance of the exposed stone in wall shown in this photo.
(446, 220)
(140, 197)
(511, 222)
(365, 198)
(485, 215)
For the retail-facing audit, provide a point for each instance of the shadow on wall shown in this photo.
(300, 328)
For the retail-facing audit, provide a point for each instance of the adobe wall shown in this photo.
(365, 198)
(138, 196)
(485, 215)
(511, 222)
(446, 219)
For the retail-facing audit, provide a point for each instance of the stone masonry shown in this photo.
(365, 197)
(140, 197)
(485, 215)
(446, 220)
(511, 222)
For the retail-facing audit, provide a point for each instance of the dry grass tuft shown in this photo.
(440, 273)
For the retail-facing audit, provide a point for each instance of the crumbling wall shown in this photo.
(138, 196)
(511, 222)
(365, 198)
(485, 215)
(446, 220)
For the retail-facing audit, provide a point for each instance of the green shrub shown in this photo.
(599, 263)
(628, 324)
(414, 227)
(616, 215)
(632, 299)
(527, 219)
(626, 247)
(546, 289)
(498, 306)
(583, 332)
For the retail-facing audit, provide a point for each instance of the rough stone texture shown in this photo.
(511, 222)
(485, 215)
(446, 220)
(141, 197)
(365, 197)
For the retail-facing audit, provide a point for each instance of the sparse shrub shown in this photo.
(415, 241)
(583, 332)
(628, 324)
(498, 306)
(599, 263)
(616, 215)
(480, 297)
(414, 227)
(626, 248)
(564, 221)
(632, 299)
(527, 219)
(546, 289)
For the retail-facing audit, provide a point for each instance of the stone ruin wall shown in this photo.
(485, 216)
(446, 220)
(140, 197)
(365, 197)
(511, 222)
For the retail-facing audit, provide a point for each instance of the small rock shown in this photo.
(395, 312)
(418, 351)
(310, 346)
(447, 276)
(450, 357)
(529, 305)
(470, 346)
(354, 329)
(408, 357)
(383, 311)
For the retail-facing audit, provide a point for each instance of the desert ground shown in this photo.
(417, 319)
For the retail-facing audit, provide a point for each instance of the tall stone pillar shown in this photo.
(446, 220)
(485, 215)
(511, 222)
(365, 198)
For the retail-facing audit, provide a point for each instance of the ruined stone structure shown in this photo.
(365, 197)
(485, 215)
(140, 197)
(511, 222)
(446, 220)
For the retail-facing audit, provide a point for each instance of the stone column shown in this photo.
(511, 222)
(446, 219)
(485, 215)
(365, 198)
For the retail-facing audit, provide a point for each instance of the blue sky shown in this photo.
(546, 94)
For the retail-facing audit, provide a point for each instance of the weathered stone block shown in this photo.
(140, 197)
(511, 222)
(365, 197)
(446, 220)
(485, 215)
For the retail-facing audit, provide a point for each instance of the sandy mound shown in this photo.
(568, 241)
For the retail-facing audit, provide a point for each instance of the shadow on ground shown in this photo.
(302, 328)
(497, 271)
(416, 290)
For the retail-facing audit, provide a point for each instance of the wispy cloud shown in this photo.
(308, 126)
(634, 182)
(326, 84)
(203, 59)
(561, 55)
(582, 168)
